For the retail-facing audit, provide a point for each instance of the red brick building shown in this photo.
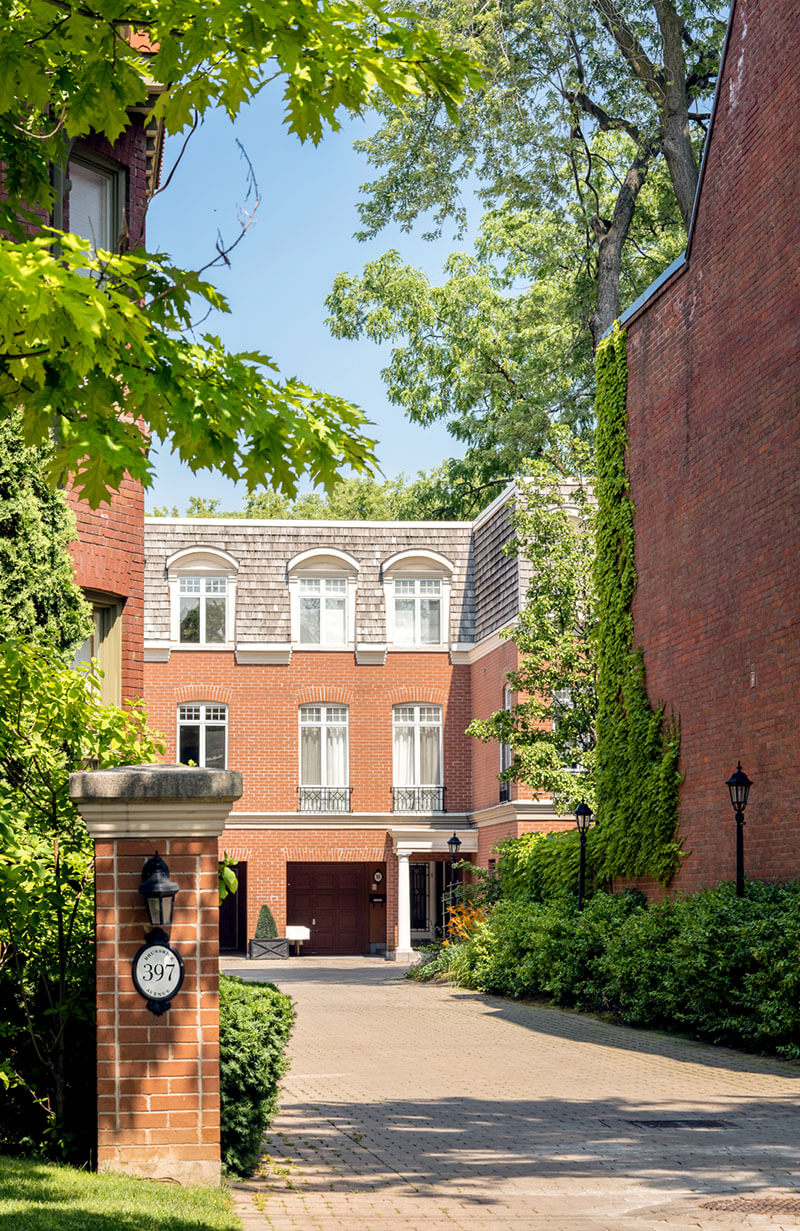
(713, 400)
(338, 664)
(104, 199)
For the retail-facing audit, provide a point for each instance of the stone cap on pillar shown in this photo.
(154, 801)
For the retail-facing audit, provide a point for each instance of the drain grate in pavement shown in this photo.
(755, 1205)
(680, 1123)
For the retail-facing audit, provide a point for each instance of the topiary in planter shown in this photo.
(266, 928)
(267, 943)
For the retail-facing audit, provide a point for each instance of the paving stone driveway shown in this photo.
(430, 1108)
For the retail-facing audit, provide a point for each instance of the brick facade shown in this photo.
(263, 674)
(713, 394)
(157, 1078)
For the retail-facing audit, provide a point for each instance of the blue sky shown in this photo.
(283, 269)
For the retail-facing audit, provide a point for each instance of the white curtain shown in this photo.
(404, 756)
(430, 768)
(310, 756)
(337, 756)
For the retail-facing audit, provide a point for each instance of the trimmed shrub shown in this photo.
(255, 1020)
(710, 964)
(266, 928)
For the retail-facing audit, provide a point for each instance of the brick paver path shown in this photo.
(431, 1108)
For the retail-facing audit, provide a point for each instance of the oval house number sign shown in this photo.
(157, 975)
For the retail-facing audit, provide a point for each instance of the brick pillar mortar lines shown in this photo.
(158, 1129)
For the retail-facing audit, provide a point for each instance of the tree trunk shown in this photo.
(676, 144)
(611, 241)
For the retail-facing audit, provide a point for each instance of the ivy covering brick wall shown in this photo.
(637, 746)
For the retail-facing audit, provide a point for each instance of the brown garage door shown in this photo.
(332, 900)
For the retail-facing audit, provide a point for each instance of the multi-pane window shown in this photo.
(324, 769)
(506, 753)
(323, 610)
(417, 611)
(203, 605)
(203, 735)
(418, 758)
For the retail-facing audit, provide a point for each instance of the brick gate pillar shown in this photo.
(157, 1076)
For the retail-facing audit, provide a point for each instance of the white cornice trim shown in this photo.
(264, 653)
(540, 810)
(433, 822)
(147, 818)
(407, 842)
(468, 652)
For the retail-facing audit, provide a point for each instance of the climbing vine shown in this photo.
(637, 776)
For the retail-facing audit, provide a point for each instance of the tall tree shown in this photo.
(39, 600)
(551, 728)
(87, 357)
(583, 153)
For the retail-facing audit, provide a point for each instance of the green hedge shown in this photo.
(710, 965)
(255, 1020)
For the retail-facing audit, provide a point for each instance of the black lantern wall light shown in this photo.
(583, 819)
(739, 786)
(158, 968)
(453, 845)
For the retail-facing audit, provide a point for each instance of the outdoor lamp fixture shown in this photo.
(453, 845)
(739, 786)
(583, 819)
(157, 968)
(158, 892)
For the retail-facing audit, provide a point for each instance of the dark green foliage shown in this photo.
(637, 751)
(39, 600)
(254, 1024)
(710, 965)
(266, 928)
(542, 866)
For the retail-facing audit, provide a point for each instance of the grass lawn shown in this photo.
(38, 1197)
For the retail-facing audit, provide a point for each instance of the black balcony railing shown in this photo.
(418, 799)
(323, 798)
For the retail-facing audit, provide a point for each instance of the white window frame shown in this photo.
(323, 565)
(201, 563)
(506, 751)
(414, 566)
(204, 720)
(112, 176)
(323, 724)
(417, 724)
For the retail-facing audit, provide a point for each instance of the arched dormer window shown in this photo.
(202, 587)
(322, 597)
(417, 590)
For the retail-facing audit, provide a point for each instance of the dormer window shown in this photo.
(323, 602)
(417, 611)
(202, 584)
(322, 594)
(202, 610)
(417, 590)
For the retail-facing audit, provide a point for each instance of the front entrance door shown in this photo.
(233, 916)
(332, 899)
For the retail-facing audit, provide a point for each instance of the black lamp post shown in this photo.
(158, 892)
(739, 786)
(453, 845)
(583, 819)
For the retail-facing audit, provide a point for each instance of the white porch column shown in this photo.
(403, 952)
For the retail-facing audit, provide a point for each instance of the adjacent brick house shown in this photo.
(338, 666)
(714, 463)
(104, 199)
